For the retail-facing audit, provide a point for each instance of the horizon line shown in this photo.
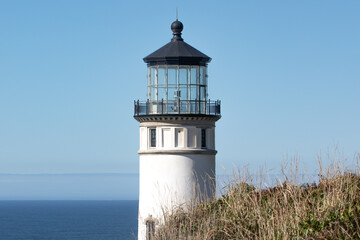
(74, 173)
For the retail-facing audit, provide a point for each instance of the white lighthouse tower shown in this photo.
(177, 132)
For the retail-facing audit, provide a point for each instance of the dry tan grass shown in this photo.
(329, 209)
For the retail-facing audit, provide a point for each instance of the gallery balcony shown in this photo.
(177, 107)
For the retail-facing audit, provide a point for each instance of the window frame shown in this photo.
(203, 138)
(150, 229)
(152, 137)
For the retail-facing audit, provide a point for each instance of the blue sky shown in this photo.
(287, 73)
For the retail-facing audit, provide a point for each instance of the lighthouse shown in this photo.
(177, 132)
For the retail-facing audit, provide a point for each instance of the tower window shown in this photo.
(150, 229)
(203, 138)
(153, 137)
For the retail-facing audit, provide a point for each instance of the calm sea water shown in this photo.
(68, 220)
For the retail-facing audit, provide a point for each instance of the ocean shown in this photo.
(51, 220)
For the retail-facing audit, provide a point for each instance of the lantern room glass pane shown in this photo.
(149, 76)
(202, 76)
(153, 76)
(202, 93)
(193, 93)
(161, 93)
(183, 93)
(183, 76)
(172, 76)
(153, 94)
(194, 75)
(206, 77)
(161, 76)
(172, 92)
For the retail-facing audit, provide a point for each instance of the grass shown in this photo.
(328, 209)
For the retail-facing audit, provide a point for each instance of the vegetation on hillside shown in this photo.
(328, 209)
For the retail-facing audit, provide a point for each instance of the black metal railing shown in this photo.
(142, 108)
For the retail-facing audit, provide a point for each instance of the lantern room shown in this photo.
(177, 80)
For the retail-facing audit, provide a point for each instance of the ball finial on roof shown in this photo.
(176, 28)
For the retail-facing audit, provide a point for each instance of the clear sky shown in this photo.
(287, 73)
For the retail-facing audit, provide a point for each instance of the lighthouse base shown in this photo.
(169, 180)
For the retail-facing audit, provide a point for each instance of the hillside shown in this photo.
(328, 209)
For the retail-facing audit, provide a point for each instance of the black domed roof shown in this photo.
(177, 52)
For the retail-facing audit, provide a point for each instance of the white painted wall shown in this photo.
(167, 180)
(177, 170)
(143, 138)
